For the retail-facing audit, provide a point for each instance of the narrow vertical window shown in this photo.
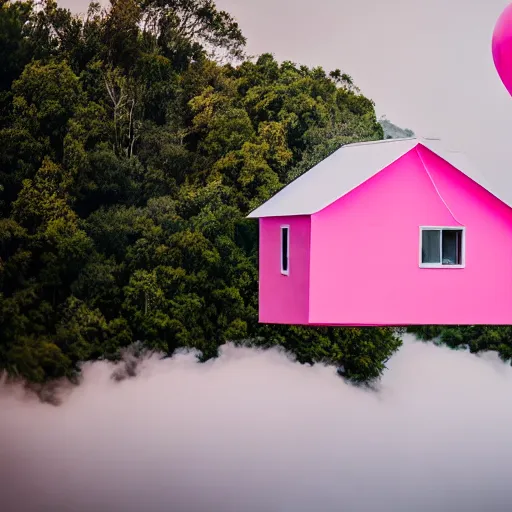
(285, 250)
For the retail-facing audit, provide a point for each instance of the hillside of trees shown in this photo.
(392, 131)
(133, 142)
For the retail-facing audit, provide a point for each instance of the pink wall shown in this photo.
(365, 251)
(284, 299)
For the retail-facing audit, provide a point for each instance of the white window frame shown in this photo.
(283, 271)
(443, 228)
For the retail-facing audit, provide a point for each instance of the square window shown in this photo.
(442, 247)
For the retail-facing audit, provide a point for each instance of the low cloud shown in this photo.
(255, 432)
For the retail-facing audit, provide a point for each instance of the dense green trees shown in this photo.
(475, 338)
(129, 158)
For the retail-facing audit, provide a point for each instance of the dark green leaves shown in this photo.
(130, 158)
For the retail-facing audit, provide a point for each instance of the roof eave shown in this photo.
(255, 215)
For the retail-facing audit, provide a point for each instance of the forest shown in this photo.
(134, 140)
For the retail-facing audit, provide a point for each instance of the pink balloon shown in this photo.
(502, 47)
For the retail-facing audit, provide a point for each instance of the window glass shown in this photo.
(430, 246)
(452, 247)
(284, 249)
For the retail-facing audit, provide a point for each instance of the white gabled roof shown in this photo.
(347, 168)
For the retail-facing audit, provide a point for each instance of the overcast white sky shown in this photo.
(426, 64)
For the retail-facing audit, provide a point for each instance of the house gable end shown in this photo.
(365, 265)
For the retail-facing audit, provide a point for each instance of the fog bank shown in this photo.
(254, 432)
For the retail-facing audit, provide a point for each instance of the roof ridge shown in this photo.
(380, 141)
(384, 141)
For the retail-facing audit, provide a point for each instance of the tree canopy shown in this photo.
(134, 141)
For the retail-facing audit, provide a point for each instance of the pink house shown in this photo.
(396, 232)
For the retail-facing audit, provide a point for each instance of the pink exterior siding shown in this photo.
(284, 299)
(365, 254)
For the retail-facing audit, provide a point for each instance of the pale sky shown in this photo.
(426, 64)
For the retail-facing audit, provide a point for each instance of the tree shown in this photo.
(121, 32)
(125, 100)
(184, 29)
(475, 338)
(14, 51)
(130, 157)
(44, 99)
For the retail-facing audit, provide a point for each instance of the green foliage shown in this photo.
(44, 99)
(475, 338)
(14, 51)
(130, 159)
(359, 353)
